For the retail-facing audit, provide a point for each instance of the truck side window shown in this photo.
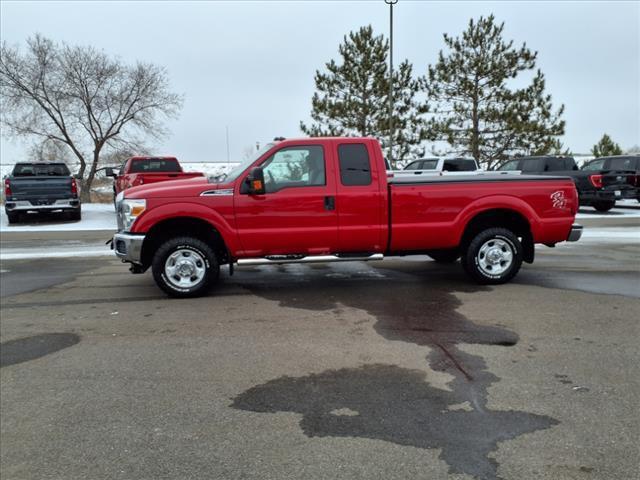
(534, 165)
(355, 167)
(554, 164)
(510, 165)
(294, 167)
(595, 165)
(459, 165)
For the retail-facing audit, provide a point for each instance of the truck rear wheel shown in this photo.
(13, 217)
(76, 215)
(185, 267)
(493, 256)
(604, 205)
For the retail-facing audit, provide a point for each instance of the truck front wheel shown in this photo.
(185, 267)
(493, 256)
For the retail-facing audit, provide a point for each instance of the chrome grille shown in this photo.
(120, 216)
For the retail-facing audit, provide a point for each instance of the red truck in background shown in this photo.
(145, 170)
(331, 199)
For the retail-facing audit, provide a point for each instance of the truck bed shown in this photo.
(431, 212)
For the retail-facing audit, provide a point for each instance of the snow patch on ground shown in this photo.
(210, 169)
(605, 235)
(95, 216)
(86, 251)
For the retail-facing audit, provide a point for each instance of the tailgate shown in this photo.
(52, 188)
(618, 178)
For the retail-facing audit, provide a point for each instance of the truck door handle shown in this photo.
(330, 202)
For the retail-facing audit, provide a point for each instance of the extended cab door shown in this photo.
(361, 200)
(297, 214)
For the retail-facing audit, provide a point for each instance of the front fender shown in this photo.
(195, 210)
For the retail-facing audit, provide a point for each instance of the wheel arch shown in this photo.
(507, 218)
(180, 227)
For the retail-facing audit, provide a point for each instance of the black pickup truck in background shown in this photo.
(597, 188)
(617, 163)
(41, 187)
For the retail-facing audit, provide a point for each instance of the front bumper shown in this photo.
(34, 205)
(575, 233)
(128, 247)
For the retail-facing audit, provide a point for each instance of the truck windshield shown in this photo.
(151, 165)
(36, 170)
(235, 173)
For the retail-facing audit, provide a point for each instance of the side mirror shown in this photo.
(77, 176)
(255, 181)
(109, 172)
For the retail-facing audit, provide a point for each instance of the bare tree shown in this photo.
(82, 98)
(48, 150)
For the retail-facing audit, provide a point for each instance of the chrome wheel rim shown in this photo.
(495, 256)
(185, 268)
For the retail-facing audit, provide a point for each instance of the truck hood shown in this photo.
(191, 187)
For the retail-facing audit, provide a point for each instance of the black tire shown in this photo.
(445, 256)
(13, 217)
(604, 205)
(76, 215)
(186, 244)
(472, 258)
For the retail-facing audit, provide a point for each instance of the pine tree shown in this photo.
(352, 97)
(475, 111)
(606, 147)
(555, 147)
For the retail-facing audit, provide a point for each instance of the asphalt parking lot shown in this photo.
(397, 369)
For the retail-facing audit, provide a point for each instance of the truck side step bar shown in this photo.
(281, 259)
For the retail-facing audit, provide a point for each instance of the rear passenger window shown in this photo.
(509, 166)
(554, 165)
(459, 165)
(355, 168)
(533, 165)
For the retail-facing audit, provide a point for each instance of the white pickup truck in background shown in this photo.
(438, 167)
(432, 165)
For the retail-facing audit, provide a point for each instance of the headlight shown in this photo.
(132, 208)
(120, 197)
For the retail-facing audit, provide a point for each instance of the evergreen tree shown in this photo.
(352, 97)
(606, 147)
(555, 147)
(475, 111)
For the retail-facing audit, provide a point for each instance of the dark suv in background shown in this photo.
(597, 188)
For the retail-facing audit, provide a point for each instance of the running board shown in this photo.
(281, 259)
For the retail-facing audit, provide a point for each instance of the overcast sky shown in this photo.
(250, 65)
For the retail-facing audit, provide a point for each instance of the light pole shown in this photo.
(391, 3)
(227, 128)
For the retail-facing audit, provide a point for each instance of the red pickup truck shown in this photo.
(145, 170)
(331, 199)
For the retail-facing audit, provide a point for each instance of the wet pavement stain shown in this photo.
(30, 348)
(396, 404)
